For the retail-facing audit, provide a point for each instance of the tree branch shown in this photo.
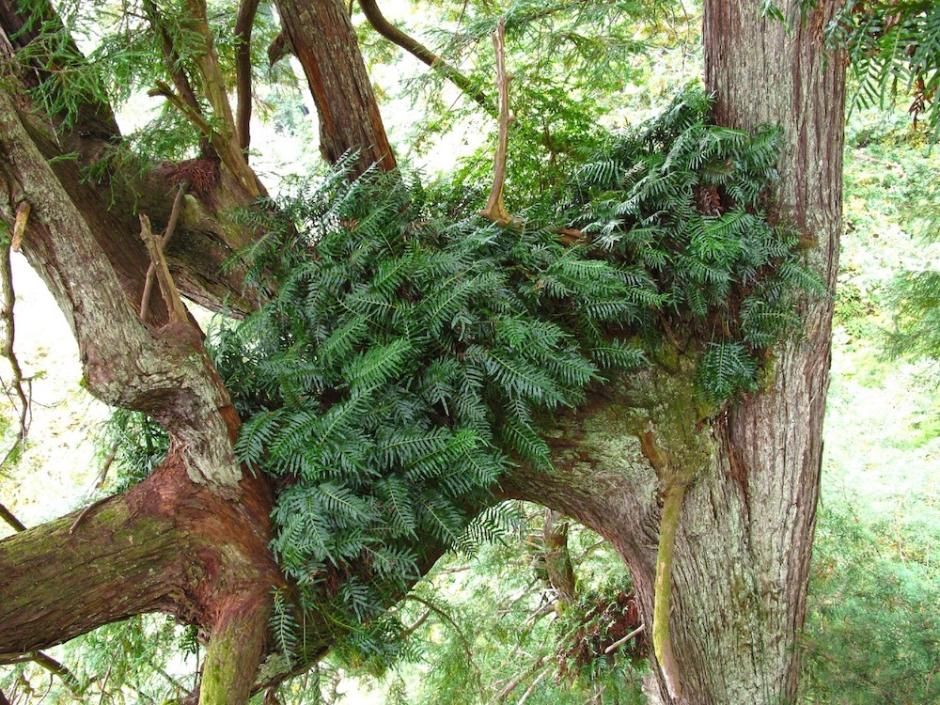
(620, 642)
(395, 35)
(243, 26)
(163, 242)
(168, 291)
(58, 669)
(171, 59)
(10, 518)
(8, 295)
(235, 650)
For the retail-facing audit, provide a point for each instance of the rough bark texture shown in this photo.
(324, 42)
(207, 235)
(167, 545)
(558, 565)
(746, 524)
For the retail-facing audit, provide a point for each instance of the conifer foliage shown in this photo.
(411, 349)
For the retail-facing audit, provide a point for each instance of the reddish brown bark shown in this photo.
(167, 545)
(325, 43)
(746, 525)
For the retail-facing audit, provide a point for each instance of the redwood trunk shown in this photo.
(746, 524)
(325, 43)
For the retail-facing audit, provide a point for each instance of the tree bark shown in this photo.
(325, 43)
(167, 545)
(742, 547)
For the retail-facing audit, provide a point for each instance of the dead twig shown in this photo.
(620, 642)
(161, 245)
(10, 518)
(20, 385)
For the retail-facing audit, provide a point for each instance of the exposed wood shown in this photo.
(495, 210)
(19, 225)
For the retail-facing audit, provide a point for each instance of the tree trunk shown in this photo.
(745, 524)
(325, 43)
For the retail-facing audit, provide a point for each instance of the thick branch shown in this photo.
(243, 26)
(324, 41)
(235, 650)
(125, 363)
(56, 586)
(166, 545)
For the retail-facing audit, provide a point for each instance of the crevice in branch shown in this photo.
(495, 210)
(396, 36)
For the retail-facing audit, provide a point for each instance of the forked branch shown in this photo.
(162, 243)
(171, 297)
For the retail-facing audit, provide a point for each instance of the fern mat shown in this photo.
(411, 346)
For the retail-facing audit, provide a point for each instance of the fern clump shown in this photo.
(410, 348)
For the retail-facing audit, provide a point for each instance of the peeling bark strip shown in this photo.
(495, 210)
(324, 42)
